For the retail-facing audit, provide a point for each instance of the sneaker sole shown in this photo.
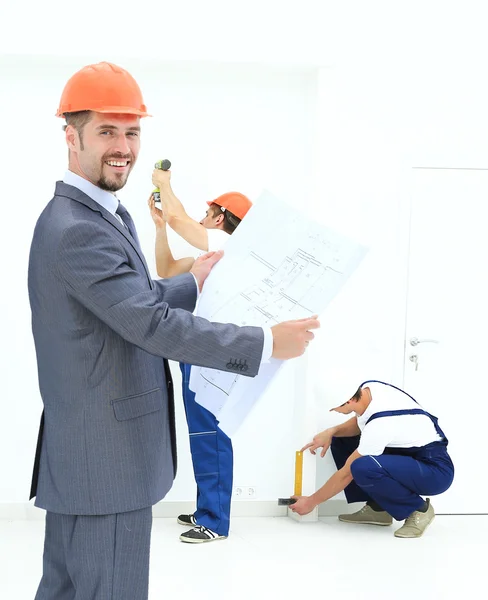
(185, 523)
(366, 523)
(193, 541)
(413, 537)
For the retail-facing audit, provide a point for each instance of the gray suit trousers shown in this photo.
(96, 557)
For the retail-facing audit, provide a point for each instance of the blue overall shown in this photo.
(212, 456)
(397, 478)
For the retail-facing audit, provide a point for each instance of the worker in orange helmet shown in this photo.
(210, 447)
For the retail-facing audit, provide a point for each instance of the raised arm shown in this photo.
(175, 214)
(166, 264)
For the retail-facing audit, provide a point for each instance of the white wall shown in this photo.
(415, 101)
(359, 187)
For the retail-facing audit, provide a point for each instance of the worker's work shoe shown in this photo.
(368, 516)
(200, 535)
(416, 523)
(187, 520)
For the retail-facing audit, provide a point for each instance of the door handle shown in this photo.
(415, 341)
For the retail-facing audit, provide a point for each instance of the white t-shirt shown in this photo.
(400, 431)
(216, 241)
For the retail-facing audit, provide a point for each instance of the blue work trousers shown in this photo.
(398, 478)
(213, 458)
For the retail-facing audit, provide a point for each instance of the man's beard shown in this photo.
(111, 186)
(116, 184)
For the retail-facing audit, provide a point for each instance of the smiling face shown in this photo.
(105, 150)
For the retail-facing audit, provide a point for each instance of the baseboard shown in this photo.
(240, 508)
(332, 508)
(25, 511)
(312, 517)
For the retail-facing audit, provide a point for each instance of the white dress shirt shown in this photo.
(110, 202)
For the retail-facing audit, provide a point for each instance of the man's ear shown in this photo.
(72, 138)
(219, 219)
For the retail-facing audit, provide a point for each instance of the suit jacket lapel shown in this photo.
(73, 193)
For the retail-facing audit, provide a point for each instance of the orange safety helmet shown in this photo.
(236, 203)
(102, 88)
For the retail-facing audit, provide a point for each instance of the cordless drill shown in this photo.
(164, 165)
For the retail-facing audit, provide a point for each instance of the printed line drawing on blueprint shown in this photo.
(285, 292)
(267, 276)
(221, 381)
(289, 291)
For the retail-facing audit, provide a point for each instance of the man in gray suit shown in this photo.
(103, 329)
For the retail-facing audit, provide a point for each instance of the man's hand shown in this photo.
(291, 338)
(303, 505)
(158, 215)
(203, 265)
(321, 440)
(160, 178)
(170, 205)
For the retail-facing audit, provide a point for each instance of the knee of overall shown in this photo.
(365, 469)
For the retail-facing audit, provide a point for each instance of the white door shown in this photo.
(448, 303)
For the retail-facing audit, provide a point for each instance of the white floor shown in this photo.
(279, 559)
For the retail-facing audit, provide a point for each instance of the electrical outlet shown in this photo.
(245, 491)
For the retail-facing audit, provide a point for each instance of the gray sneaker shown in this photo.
(187, 520)
(200, 535)
(368, 516)
(416, 523)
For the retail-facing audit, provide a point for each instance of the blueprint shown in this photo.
(277, 266)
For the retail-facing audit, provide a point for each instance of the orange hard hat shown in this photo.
(236, 203)
(103, 88)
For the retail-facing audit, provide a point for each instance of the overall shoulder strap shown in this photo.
(395, 413)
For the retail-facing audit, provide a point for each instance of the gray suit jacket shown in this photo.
(102, 329)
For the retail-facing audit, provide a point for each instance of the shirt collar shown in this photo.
(106, 199)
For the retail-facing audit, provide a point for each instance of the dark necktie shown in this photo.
(127, 220)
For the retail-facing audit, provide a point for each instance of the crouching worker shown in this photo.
(389, 455)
